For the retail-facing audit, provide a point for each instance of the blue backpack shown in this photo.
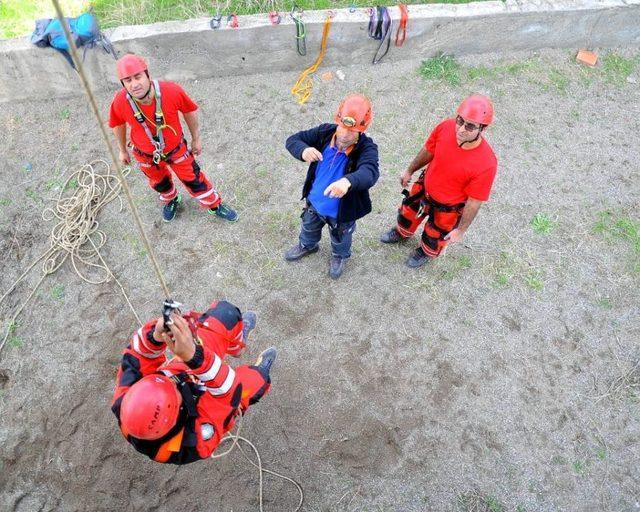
(84, 31)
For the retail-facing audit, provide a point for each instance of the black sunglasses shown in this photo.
(467, 126)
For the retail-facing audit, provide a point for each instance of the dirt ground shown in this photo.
(503, 377)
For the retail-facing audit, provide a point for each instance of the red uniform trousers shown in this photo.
(441, 218)
(184, 165)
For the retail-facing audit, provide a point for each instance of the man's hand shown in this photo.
(455, 236)
(124, 157)
(338, 188)
(311, 155)
(405, 177)
(196, 146)
(179, 338)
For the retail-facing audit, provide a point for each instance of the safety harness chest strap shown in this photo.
(158, 140)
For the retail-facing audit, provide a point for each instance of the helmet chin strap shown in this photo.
(146, 94)
(471, 141)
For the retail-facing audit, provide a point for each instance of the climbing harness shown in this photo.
(380, 25)
(216, 21)
(274, 17)
(301, 34)
(401, 34)
(156, 140)
(303, 87)
(232, 20)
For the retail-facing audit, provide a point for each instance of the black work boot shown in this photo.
(298, 251)
(391, 237)
(417, 259)
(265, 360)
(336, 267)
(249, 321)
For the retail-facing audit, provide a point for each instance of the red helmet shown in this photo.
(150, 408)
(477, 108)
(129, 65)
(354, 113)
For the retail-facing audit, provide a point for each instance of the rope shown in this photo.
(301, 32)
(77, 227)
(103, 130)
(237, 437)
(303, 87)
(380, 25)
(401, 33)
(134, 211)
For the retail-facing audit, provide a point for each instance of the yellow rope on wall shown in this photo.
(303, 87)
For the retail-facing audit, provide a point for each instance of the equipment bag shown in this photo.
(84, 32)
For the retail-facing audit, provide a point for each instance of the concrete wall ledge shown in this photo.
(190, 49)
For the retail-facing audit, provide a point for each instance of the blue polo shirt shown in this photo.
(330, 168)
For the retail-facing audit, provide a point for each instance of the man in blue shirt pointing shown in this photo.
(343, 166)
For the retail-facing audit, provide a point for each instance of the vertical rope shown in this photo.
(116, 163)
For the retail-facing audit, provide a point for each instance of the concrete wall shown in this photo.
(191, 49)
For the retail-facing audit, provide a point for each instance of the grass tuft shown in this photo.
(441, 67)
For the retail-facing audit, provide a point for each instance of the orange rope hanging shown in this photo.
(303, 87)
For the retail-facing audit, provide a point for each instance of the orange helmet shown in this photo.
(129, 65)
(477, 108)
(150, 408)
(354, 113)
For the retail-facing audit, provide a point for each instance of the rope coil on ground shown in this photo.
(76, 235)
(304, 85)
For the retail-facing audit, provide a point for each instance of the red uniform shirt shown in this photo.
(456, 174)
(174, 99)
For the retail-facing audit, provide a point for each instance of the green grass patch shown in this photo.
(5, 202)
(33, 195)
(580, 467)
(17, 17)
(534, 280)
(475, 501)
(559, 80)
(136, 244)
(617, 68)
(455, 267)
(57, 292)
(13, 340)
(543, 224)
(441, 67)
(505, 270)
(617, 226)
(605, 303)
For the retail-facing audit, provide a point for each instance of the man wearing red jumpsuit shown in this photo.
(177, 411)
(459, 173)
(150, 108)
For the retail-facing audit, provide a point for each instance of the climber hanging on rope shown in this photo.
(150, 108)
(177, 411)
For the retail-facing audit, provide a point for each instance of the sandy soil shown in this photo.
(505, 376)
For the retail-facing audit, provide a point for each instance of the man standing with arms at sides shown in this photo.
(150, 108)
(457, 171)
